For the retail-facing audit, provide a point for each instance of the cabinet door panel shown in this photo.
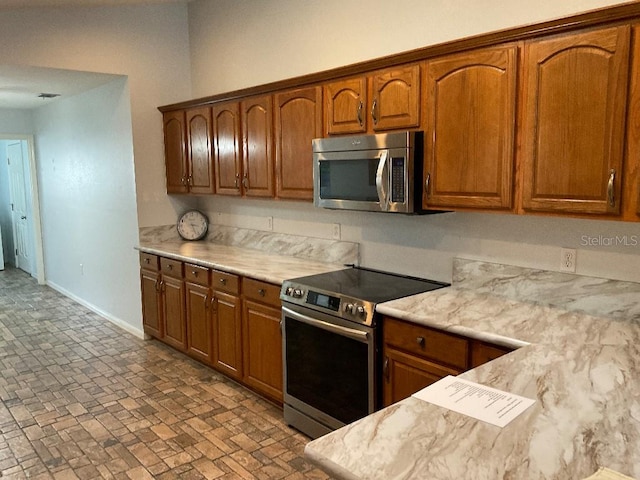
(151, 307)
(573, 131)
(406, 374)
(257, 138)
(227, 335)
(201, 179)
(345, 106)
(263, 349)
(226, 148)
(395, 101)
(298, 121)
(198, 300)
(471, 129)
(173, 312)
(175, 152)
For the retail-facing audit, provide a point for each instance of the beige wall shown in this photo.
(241, 43)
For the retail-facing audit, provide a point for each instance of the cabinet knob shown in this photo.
(262, 292)
(170, 267)
(223, 281)
(420, 341)
(146, 260)
(194, 272)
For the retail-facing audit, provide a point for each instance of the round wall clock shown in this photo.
(193, 225)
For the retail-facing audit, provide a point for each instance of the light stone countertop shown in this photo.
(269, 267)
(579, 357)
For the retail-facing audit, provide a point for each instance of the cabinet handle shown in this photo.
(420, 341)
(223, 281)
(162, 285)
(385, 369)
(262, 292)
(374, 111)
(610, 190)
(245, 181)
(206, 301)
(158, 284)
(237, 180)
(359, 112)
(190, 180)
(213, 303)
(183, 180)
(427, 184)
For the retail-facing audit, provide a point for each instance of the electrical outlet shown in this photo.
(335, 231)
(568, 260)
(270, 223)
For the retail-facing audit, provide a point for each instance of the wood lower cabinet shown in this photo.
(227, 324)
(151, 297)
(262, 338)
(298, 120)
(470, 129)
(573, 123)
(173, 306)
(199, 303)
(415, 356)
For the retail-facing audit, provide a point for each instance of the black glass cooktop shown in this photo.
(368, 285)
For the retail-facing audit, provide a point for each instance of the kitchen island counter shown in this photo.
(578, 355)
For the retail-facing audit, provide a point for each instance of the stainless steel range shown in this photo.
(331, 344)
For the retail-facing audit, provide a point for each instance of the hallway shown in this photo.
(83, 399)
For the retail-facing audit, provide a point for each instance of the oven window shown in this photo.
(349, 179)
(327, 371)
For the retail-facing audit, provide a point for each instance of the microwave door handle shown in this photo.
(382, 180)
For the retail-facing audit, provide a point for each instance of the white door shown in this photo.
(19, 206)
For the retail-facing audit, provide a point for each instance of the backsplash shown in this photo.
(310, 248)
(579, 293)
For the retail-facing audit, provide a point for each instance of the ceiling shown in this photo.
(21, 85)
(63, 3)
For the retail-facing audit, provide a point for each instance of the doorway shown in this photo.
(19, 206)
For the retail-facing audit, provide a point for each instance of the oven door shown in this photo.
(329, 370)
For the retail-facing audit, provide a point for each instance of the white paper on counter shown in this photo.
(474, 400)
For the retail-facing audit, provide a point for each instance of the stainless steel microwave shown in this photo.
(377, 173)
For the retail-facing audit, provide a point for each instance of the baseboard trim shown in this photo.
(107, 316)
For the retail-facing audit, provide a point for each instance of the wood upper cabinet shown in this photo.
(384, 100)
(201, 172)
(257, 147)
(574, 99)
(175, 154)
(470, 129)
(298, 120)
(227, 153)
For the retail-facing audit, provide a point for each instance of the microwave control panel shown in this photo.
(397, 180)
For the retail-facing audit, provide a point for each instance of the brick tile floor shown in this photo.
(83, 399)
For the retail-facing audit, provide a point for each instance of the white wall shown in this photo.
(15, 121)
(90, 217)
(241, 43)
(147, 43)
(87, 200)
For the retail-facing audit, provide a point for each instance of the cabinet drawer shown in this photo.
(171, 268)
(196, 274)
(484, 352)
(149, 262)
(225, 282)
(261, 291)
(426, 342)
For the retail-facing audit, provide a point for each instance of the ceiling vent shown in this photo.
(48, 95)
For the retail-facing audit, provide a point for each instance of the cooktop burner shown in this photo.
(368, 285)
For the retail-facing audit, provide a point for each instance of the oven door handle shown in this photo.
(382, 181)
(358, 335)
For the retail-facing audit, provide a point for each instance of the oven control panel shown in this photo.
(348, 308)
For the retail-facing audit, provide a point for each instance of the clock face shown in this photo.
(193, 225)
